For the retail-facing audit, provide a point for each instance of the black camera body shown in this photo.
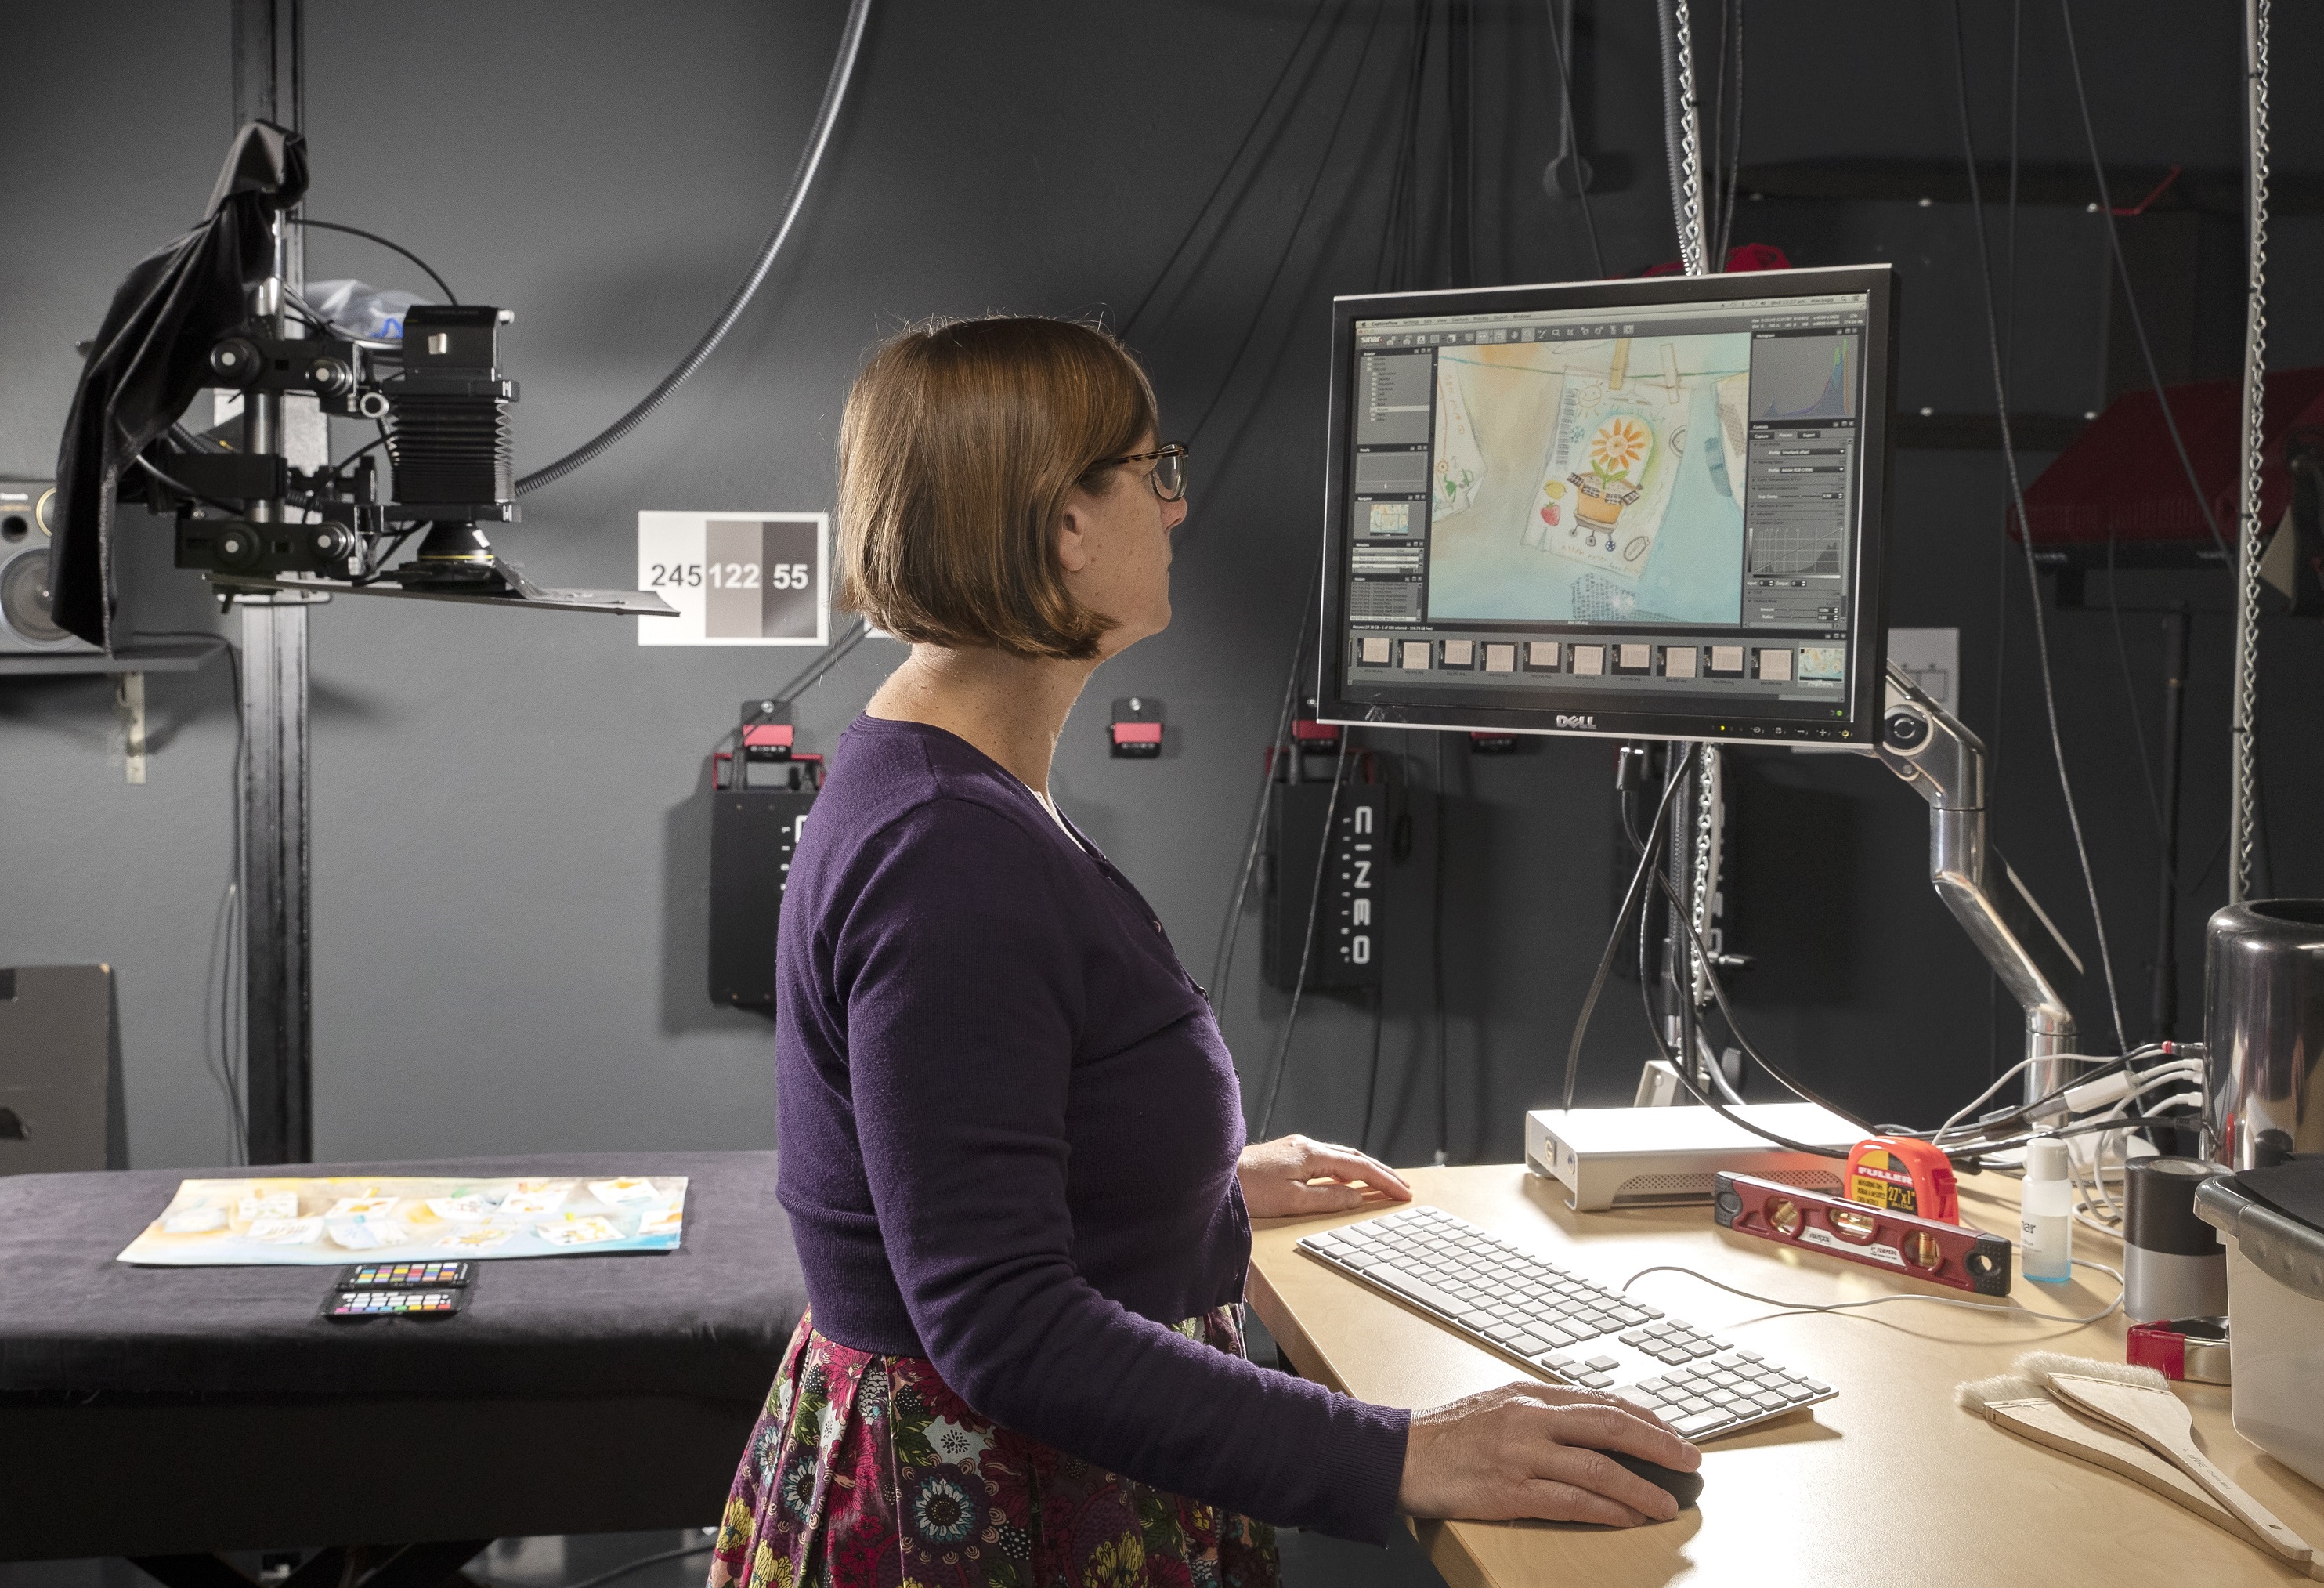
(444, 418)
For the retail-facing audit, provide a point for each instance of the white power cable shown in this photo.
(1984, 1306)
(1983, 1097)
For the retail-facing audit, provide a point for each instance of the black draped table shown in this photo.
(167, 1414)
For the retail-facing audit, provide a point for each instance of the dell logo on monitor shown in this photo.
(1564, 721)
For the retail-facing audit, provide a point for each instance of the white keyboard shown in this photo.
(1562, 1324)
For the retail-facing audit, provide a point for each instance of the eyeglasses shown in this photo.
(1169, 474)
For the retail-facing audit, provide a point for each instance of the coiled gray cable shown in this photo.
(1682, 140)
(1670, 136)
(835, 93)
(2247, 550)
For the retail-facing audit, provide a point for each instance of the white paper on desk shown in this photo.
(285, 1232)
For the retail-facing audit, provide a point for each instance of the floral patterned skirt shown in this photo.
(868, 1471)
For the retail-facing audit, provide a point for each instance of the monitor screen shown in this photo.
(1641, 509)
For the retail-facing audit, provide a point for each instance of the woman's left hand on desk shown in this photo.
(1277, 1178)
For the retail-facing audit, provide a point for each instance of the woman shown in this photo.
(1011, 1141)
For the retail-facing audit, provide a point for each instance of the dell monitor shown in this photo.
(1640, 509)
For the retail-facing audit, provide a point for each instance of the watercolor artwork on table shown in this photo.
(279, 1220)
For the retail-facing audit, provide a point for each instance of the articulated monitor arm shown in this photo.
(1925, 745)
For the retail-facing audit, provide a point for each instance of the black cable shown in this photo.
(1735, 154)
(1719, 993)
(339, 468)
(191, 443)
(2001, 564)
(813, 674)
(1298, 225)
(2084, 1128)
(378, 568)
(1307, 938)
(1713, 152)
(1708, 1098)
(806, 678)
(1631, 899)
(1230, 929)
(429, 270)
(1372, 1083)
(2130, 297)
(1401, 221)
(1251, 132)
(2130, 696)
(1573, 136)
(2014, 1112)
(1436, 953)
(2026, 528)
(834, 93)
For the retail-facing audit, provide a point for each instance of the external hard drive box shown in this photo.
(1647, 1157)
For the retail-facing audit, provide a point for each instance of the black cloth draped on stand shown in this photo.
(152, 356)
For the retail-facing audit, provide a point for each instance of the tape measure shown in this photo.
(1902, 1176)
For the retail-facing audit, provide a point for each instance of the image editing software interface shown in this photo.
(1656, 508)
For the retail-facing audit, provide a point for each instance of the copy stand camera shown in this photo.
(441, 400)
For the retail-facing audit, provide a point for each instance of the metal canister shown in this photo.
(2264, 1023)
(2173, 1266)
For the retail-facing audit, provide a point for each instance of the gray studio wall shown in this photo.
(511, 832)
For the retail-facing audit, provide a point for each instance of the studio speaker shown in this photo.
(27, 516)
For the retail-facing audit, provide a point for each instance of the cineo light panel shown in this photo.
(1648, 509)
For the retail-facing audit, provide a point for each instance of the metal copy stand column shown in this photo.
(278, 1024)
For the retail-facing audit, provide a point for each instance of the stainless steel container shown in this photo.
(2263, 1022)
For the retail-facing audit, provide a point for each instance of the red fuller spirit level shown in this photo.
(1903, 1243)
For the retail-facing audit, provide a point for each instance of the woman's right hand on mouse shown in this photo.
(1536, 1451)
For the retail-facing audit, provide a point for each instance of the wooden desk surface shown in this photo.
(1890, 1484)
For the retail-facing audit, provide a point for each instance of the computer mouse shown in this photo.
(1682, 1487)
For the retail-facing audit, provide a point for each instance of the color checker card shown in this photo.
(345, 1304)
(405, 1275)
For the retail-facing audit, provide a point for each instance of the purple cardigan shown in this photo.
(1008, 1131)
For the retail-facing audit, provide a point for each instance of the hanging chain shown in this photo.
(1704, 884)
(1694, 255)
(2245, 821)
(1694, 247)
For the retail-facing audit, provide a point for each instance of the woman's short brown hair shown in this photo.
(961, 442)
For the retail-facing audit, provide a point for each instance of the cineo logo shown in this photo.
(1564, 721)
